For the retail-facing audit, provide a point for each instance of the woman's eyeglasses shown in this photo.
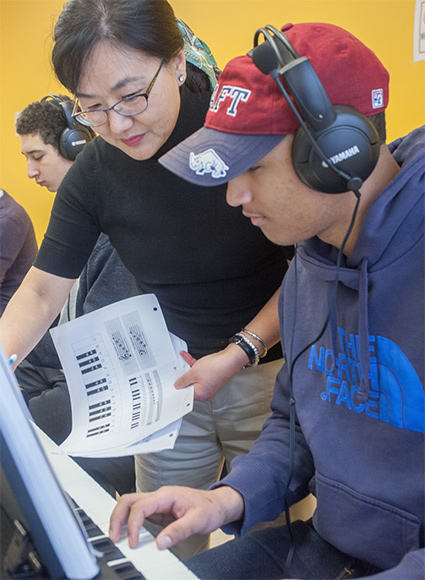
(127, 107)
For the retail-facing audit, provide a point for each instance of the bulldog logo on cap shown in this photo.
(208, 162)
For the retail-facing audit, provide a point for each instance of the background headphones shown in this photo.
(74, 136)
(335, 148)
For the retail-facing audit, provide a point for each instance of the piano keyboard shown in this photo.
(95, 506)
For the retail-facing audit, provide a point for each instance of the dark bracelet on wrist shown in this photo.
(260, 340)
(248, 347)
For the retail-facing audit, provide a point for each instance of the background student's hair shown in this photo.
(146, 25)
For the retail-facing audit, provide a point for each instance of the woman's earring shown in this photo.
(181, 78)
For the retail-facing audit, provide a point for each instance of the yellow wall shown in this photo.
(228, 27)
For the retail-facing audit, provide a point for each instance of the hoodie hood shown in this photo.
(391, 227)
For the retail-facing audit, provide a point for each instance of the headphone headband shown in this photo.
(275, 36)
(336, 148)
(56, 98)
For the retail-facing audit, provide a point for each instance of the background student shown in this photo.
(348, 416)
(50, 142)
(18, 246)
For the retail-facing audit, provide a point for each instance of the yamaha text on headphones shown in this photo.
(74, 136)
(336, 148)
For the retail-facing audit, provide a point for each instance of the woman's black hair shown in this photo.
(196, 79)
(146, 25)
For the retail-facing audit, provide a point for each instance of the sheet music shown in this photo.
(120, 363)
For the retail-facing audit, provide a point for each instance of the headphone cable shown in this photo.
(291, 373)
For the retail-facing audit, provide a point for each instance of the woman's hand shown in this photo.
(182, 510)
(211, 373)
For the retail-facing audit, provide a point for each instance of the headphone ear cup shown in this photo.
(351, 143)
(72, 141)
(75, 136)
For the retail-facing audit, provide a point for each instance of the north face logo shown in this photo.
(208, 162)
(396, 393)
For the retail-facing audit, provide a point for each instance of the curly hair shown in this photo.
(43, 118)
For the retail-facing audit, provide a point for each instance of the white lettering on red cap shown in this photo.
(235, 94)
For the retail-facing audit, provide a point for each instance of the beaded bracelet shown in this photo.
(260, 340)
(248, 347)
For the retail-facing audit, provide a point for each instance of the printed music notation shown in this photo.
(120, 363)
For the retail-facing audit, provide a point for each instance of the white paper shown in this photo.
(419, 31)
(120, 363)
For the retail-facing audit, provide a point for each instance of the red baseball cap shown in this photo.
(249, 116)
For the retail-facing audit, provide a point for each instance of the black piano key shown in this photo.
(107, 547)
(91, 528)
(126, 571)
(107, 550)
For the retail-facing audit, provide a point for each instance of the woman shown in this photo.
(211, 270)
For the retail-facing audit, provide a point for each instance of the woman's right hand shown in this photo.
(211, 373)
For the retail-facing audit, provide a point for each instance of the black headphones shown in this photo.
(336, 148)
(74, 136)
